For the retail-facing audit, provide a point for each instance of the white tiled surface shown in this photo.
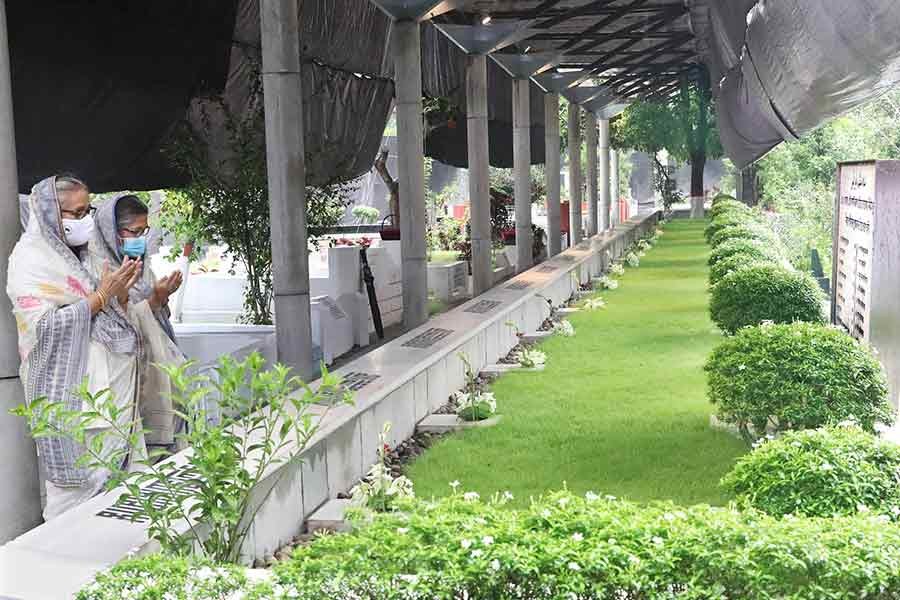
(411, 381)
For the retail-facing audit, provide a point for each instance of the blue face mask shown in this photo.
(134, 247)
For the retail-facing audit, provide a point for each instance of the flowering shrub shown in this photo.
(826, 472)
(607, 283)
(167, 578)
(617, 269)
(564, 547)
(379, 490)
(632, 260)
(797, 376)
(595, 303)
(476, 406)
(751, 295)
(531, 358)
(564, 328)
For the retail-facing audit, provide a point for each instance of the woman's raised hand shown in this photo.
(117, 283)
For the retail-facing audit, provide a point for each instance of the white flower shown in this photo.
(610, 498)
(595, 303)
(495, 564)
(862, 508)
(895, 510)
(531, 358)
(669, 516)
(471, 496)
(591, 497)
(563, 328)
(826, 467)
(563, 501)
(574, 566)
(409, 578)
(657, 540)
(611, 541)
(545, 513)
(577, 536)
(742, 367)
(507, 495)
(454, 485)
(487, 540)
(466, 544)
(476, 553)
(402, 530)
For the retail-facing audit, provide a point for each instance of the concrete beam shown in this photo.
(411, 172)
(604, 175)
(614, 186)
(551, 172)
(522, 172)
(574, 174)
(479, 176)
(287, 182)
(591, 146)
(20, 496)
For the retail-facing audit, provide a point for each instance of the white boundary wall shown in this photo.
(54, 560)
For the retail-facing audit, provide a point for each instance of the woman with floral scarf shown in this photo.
(73, 328)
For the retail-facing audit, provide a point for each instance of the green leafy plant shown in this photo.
(531, 359)
(729, 218)
(473, 403)
(207, 503)
(796, 376)
(380, 490)
(365, 215)
(750, 247)
(828, 472)
(733, 263)
(632, 260)
(743, 232)
(227, 199)
(751, 295)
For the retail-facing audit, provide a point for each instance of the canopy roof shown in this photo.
(98, 86)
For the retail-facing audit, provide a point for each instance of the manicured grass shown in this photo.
(443, 257)
(620, 408)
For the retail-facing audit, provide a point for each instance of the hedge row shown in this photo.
(564, 547)
(750, 279)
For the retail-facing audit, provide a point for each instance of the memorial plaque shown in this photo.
(865, 279)
(128, 510)
(519, 285)
(357, 380)
(483, 306)
(546, 269)
(567, 258)
(428, 338)
(460, 276)
(335, 310)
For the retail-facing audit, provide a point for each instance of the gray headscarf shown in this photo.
(106, 238)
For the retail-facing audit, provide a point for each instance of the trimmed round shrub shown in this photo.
(743, 232)
(797, 376)
(828, 472)
(749, 247)
(735, 262)
(727, 207)
(729, 218)
(767, 292)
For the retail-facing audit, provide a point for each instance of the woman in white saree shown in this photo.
(121, 234)
(73, 327)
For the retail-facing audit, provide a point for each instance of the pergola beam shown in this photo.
(572, 13)
(650, 26)
(602, 23)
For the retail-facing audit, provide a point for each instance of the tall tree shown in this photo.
(684, 125)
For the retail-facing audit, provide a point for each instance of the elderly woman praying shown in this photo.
(121, 235)
(73, 328)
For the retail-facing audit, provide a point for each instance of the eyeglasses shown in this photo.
(78, 214)
(134, 232)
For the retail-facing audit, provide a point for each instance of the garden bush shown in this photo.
(751, 295)
(743, 232)
(571, 548)
(827, 472)
(728, 218)
(744, 246)
(728, 206)
(797, 376)
(733, 263)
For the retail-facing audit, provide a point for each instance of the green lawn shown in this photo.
(620, 408)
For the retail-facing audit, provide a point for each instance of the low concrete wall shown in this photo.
(401, 382)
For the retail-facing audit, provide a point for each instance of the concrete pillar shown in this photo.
(574, 173)
(522, 172)
(411, 171)
(551, 172)
(590, 125)
(614, 187)
(604, 175)
(287, 182)
(479, 177)
(20, 495)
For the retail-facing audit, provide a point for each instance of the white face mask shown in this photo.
(78, 231)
